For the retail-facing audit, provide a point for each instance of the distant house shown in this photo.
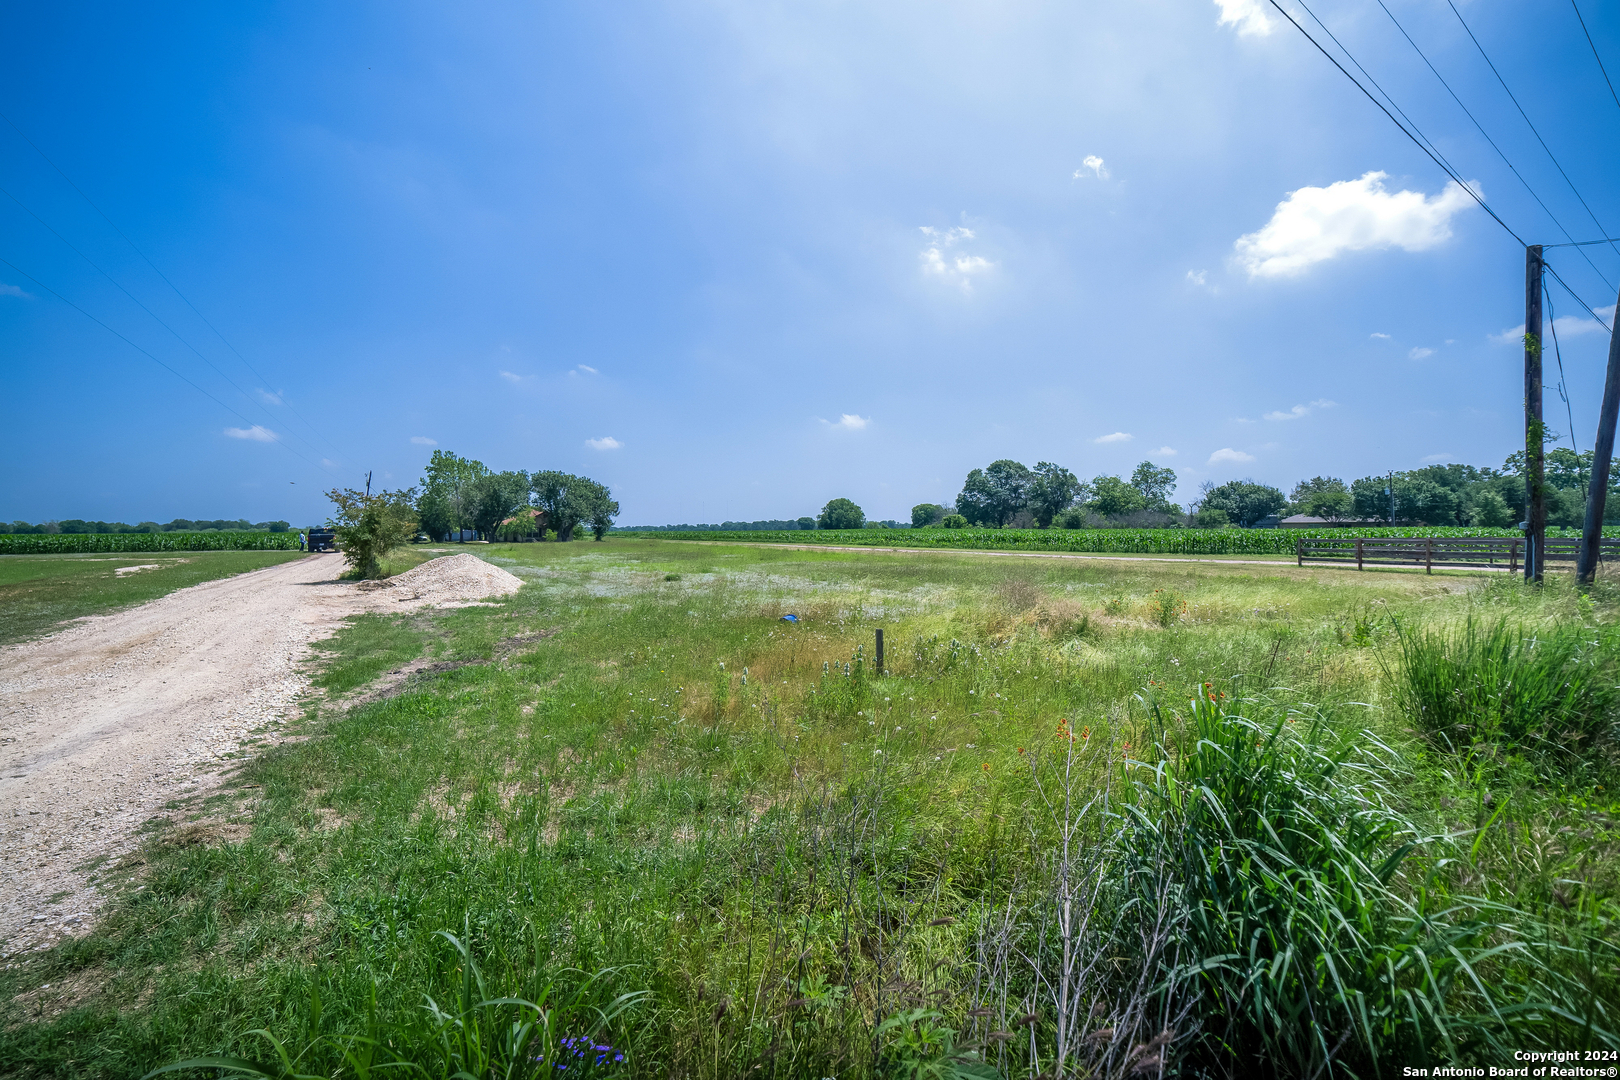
(532, 522)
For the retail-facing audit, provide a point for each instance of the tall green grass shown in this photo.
(1499, 680)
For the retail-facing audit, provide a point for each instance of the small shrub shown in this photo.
(369, 526)
(953, 521)
(672, 577)
(1167, 607)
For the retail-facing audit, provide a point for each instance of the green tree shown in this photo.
(1009, 488)
(954, 521)
(1490, 510)
(807, 523)
(496, 497)
(598, 507)
(841, 514)
(1052, 490)
(1244, 501)
(976, 502)
(1331, 505)
(1213, 518)
(449, 493)
(1306, 491)
(564, 498)
(368, 527)
(1113, 497)
(926, 514)
(1155, 485)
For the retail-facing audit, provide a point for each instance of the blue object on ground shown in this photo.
(790, 618)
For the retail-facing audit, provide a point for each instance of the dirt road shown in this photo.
(103, 723)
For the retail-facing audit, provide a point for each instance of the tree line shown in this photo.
(77, 526)
(1007, 494)
(458, 494)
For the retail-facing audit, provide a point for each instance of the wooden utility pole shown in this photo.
(1534, 453)
(1602, 452)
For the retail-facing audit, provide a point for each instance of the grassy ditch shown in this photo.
(40, 592)
(1085, 820)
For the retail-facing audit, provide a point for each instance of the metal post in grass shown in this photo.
(880, 652)
(1602, 452)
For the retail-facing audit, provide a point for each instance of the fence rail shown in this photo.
(1488, 552)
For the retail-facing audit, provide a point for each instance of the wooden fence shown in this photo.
(1486, 552)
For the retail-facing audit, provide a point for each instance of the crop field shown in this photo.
(1086, 819)
(1114, 541)
(84, 543)
(38, 593)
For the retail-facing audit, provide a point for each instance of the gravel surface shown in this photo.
(105, 722)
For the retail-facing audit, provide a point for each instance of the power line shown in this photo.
(1576, 297)
(1486, 135)
(274, 437)
(1595, 55)
(1418, 142)
(1585, 243)
(1563, 386)
(1526, 116)
(118, 285)
(133, 247)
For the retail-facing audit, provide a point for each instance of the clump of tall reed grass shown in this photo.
(1500, 682)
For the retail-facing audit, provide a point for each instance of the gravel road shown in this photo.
(106, 721)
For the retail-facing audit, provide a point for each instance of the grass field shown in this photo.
(40, 592)
(1087, 816)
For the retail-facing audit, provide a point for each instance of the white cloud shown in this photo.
(1226, 453)
(938, 260)
(329, 463)
(849, 422)
(1249, 16)
(1314, 224)
(1435, 459)
(1565, 325)
(1380, 337)
(423, 440)
(510, 377)
(606, 442)
(1165, 451)
(253, 434)
(267, 397)
(1118, 436)
(1095, 164)
(13, 290)
(1420, 353)
(1196, 277)
(1300, 411)
(587, 369)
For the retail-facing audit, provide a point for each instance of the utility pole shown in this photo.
(1534, 453)
(1389, 489)
(1602, 452)
(368, 483)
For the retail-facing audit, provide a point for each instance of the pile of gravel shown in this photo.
(454, 578)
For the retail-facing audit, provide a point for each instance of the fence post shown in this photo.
(1428, 554)
(1358, 552)
(1513, 556)
(1299, 549)
(880, 652)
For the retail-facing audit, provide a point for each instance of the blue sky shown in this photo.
(735, 260)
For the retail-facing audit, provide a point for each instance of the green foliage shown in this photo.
(1244, 501)
(953, 521)
(497, 497)
(89, 543)
(1310, 493)
(926, 514)
(841, 514)
(368, 527)
(1213, 518)
(1497, 681)
(1155, 485)
(1113, 497)
(567, 500)
(1311, 955)
(1052, 490)
(450, 493)
(1168, 606)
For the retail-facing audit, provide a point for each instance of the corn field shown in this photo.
(83, 543)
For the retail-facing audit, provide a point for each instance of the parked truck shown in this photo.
(321, 538)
